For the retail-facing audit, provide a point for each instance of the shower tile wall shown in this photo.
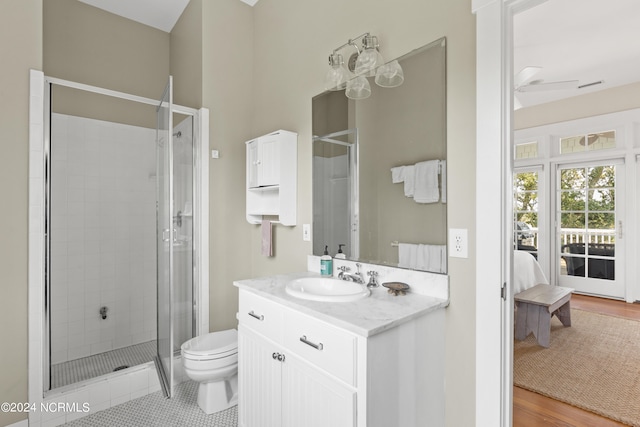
(103, 244)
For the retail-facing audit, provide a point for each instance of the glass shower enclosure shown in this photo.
(174, 238)
(121, 268)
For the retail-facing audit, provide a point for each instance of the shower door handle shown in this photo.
(165, 235)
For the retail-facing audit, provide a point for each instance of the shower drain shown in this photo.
(120, 368)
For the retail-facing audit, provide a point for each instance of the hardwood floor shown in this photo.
(534, 410)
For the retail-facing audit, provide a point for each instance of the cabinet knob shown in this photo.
(275, 356)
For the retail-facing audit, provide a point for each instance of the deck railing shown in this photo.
(571, 235)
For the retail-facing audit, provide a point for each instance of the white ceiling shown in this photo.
(160, 14)
(585, 40)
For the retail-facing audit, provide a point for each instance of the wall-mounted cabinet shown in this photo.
(272, 162)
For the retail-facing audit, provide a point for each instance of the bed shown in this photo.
(526, 272)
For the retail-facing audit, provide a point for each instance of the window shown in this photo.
(527, 150)
(525, 211)
(590, 142)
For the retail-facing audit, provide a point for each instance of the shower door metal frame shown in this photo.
(353, 151)
(200, 248)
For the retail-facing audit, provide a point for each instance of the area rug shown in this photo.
(593, 365)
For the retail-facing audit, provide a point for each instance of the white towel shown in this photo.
(422, 257)
(426, 182)
(443, 181)
(435, 258)
(397, 174)
(407, 255)
(409, 180)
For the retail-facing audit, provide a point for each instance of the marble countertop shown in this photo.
(366, 317)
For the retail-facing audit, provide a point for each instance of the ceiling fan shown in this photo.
(523, 82)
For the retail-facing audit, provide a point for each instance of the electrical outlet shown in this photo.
(458, 243)
(306, 232)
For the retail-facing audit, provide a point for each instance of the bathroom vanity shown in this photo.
(377, 361)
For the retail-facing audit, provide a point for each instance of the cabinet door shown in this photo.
(252, 164)
(259, 382)
(311, 398)
(268, 161)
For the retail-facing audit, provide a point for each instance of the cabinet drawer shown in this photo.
(262, 315)
(329, 348)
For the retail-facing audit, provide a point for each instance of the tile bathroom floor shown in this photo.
(154, 410)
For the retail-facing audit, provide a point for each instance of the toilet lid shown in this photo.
(212, 343)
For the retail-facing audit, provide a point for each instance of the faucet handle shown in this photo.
(373, 279)
(344, 268)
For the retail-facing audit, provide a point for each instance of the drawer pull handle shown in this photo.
(256, 316)
(318, 346)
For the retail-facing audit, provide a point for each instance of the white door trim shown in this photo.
(494, 219)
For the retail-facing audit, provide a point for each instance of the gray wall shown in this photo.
(292, 40)
(21, 46)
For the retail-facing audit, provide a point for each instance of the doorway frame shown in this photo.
(494, 215)
(38, 143)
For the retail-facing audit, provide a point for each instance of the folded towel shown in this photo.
(267, 243)
(422, 257)
(432, 258)
(443, 181)
(409, 180)
(397, 174)
(407, 255)
(426, 182)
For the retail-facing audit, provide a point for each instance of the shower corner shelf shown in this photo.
(271, 185)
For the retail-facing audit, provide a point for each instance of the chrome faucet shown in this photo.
(357, 277)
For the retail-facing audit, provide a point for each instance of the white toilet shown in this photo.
(212, 360)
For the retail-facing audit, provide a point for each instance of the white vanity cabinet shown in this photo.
(271, 174)
(296, 370)
(279, 386)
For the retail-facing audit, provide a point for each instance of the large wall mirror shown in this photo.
(371, 159)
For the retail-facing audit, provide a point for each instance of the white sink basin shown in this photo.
(326, 289)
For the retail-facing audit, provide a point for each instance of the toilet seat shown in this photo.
(215, 345)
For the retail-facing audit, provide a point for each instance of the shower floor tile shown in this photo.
(154, 410)
(66, 373)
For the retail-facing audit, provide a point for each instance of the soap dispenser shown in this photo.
(326, 263)
(340, 254)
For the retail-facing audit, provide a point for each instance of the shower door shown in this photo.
(164, 237)
(175, 250)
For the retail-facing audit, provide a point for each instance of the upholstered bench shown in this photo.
(535, 307)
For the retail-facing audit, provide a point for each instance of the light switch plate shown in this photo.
(306, 232)
(458, 243)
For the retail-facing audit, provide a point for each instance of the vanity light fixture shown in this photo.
(365, 62)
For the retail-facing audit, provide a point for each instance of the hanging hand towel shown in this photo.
(426, 182)
(267, 234)
(407, 255)
(409, 180)
(397, 174)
